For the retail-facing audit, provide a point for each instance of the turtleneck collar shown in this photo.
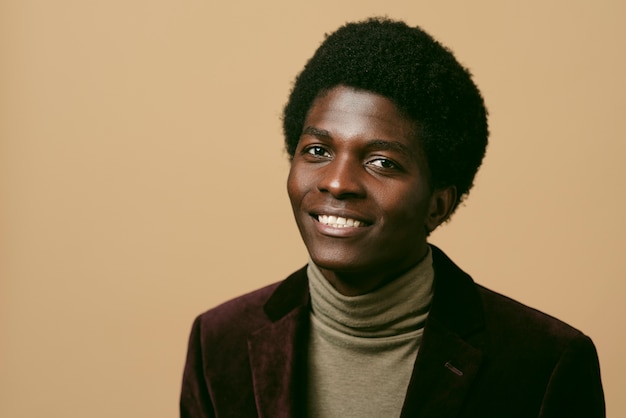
(399, 307)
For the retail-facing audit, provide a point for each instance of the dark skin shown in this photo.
(359, 190)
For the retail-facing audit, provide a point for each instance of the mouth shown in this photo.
(339, 221)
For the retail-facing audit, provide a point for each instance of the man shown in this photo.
(385, 130)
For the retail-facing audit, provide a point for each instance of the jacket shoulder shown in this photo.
(537, 361)
(253, 310)
(465, 305)
(243, 311)
(521, 324)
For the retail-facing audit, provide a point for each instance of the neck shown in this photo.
(399, 307)
(350, 283)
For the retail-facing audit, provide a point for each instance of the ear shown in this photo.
(441, 206)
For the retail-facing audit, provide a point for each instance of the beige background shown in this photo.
(142, 178)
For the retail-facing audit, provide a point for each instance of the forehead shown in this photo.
(346, 112)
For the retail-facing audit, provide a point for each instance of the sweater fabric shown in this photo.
(362, 348)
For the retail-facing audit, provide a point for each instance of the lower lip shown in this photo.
(341, 232)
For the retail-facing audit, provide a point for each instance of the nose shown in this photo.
(342, 178)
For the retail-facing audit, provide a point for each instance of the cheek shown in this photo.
(408, 209)
(295, 186)
(299, 182)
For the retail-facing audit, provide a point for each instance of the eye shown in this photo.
(383, 163)
(316, 151)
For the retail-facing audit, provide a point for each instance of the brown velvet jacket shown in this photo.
(482, 355)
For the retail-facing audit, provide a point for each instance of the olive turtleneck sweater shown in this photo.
(362, 348)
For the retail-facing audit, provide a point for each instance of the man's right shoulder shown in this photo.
(248, 312)
(245, 310)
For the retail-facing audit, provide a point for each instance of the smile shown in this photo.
(339, 222)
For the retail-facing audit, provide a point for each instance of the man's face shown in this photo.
(359, 191)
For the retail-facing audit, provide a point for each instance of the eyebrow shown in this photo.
(382, 145)
(320, 133)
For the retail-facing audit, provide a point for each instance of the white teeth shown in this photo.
(338, 221)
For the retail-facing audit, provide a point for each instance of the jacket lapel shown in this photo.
(447, 362)
(444, 370)
(277, 351)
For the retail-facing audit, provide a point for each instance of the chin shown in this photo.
(338, 264)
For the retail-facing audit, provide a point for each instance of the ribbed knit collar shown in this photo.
(399, 307)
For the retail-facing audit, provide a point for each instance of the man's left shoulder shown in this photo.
(524, 325)
(509, 321)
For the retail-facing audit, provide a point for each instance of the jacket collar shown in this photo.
(456, 302)
(444, 370)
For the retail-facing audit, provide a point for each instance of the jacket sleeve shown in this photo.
(195, 400)
(575, 388)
